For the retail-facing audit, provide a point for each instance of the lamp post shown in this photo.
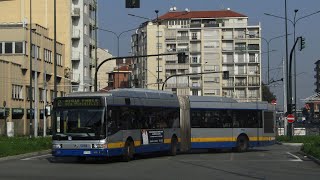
(268, 41)
(118, 47)
(158, 46)
(294, 23)
(55, 61)
(30, 58)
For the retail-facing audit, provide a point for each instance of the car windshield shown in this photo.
(80, 124)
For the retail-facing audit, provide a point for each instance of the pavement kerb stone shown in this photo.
(292, 144)
(26, 155)
(314, 159)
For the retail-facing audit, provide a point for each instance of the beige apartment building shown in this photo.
(75, 29)
(15, 75)
(213, 41)
(105, 69)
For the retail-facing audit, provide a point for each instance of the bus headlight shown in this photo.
(96, 146)
(56, 146)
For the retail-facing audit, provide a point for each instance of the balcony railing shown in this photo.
(76, 34)
(183, 38)
(75, 56)
(76, 12)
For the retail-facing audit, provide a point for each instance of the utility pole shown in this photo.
(55, 62)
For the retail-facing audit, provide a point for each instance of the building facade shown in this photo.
(213, 41)
(75, 29)
(15, 75)
(105, 69)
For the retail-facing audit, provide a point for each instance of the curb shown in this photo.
(314, 159)
(292, 144)
(21, 156)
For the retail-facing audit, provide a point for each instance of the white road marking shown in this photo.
(35, 157)
(296, 157)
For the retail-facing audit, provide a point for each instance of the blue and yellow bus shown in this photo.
(125, 122)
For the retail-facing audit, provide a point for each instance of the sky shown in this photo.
(113, 16)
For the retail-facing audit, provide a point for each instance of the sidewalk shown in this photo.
(314, 159)
(21, 156)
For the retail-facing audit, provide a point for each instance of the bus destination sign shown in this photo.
(83, 102)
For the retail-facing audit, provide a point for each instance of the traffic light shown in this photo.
(302, 43)
(132, 3)
(182, 57)
(225, 75)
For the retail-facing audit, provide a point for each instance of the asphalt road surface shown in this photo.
(273, 162)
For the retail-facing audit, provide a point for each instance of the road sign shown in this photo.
(274, 102)
(290, 118)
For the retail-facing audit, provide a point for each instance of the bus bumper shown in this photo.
(87, 152)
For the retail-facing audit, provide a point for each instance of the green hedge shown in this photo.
(21, 145)
(311, 144)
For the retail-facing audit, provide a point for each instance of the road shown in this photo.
(273, 162)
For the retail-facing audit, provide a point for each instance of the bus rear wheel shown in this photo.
(128, 151)
(242, 144)
(173, 147)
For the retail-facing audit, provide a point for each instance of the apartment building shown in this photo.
(75, 29)
(15, 75)
(105, 69)
(214, 41)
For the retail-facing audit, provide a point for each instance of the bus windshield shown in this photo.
(80, 124)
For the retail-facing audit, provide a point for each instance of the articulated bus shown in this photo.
(125, 122)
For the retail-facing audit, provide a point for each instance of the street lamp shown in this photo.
(118, 47)
(30, 57)
(268, 51)
(294, 23)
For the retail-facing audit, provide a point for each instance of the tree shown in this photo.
(267, 95)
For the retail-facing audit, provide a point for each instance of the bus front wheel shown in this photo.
(128, 151)
(242, 144)
(174, 146)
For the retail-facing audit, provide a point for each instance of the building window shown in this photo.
(0, 47)
(18, 47)
(85, 8)
(17, 92)
(59, 59)
(85, 71)
(8, 47)
(85, 50)
(85, 29)
(195, 92)
(33, 50)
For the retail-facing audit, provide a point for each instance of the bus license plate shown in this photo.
(86, 152)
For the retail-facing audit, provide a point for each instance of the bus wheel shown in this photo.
(128, 151)
(173, 147)
(242, 144)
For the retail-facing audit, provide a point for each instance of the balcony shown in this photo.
(171, 38)
(240, 48)
(183, 38)
(228, 85)
(227, 61)
(211, 25)
(195, 25)
(75, 13)
(253, 84)
(75, 56)
(76, 34)
(75, 78)
(195, 86)
(241, 84)
(182, 49)
(176, 66)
